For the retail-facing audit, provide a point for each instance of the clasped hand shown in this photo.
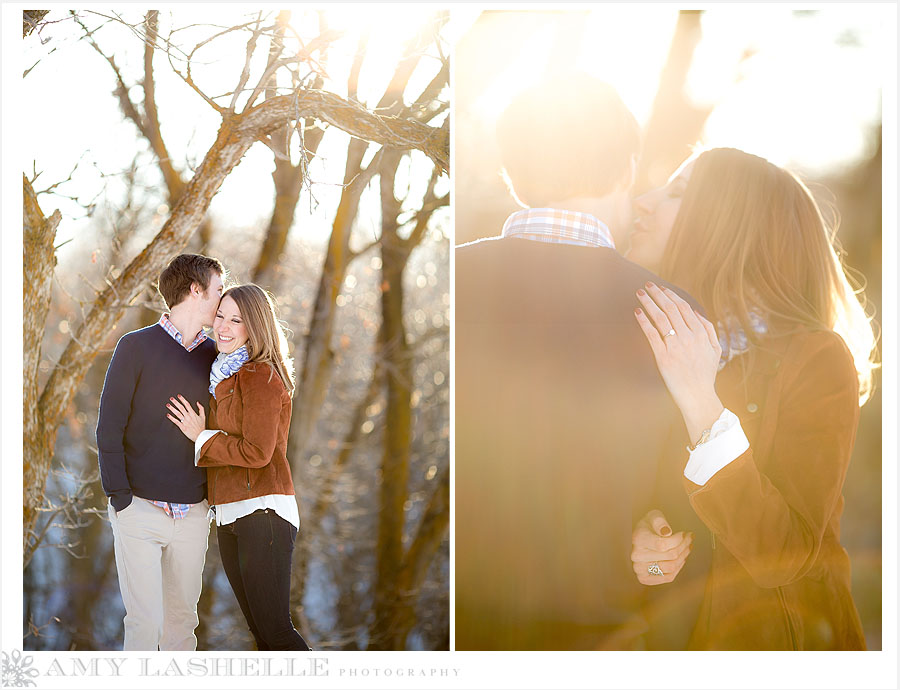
(653, 543)
(183, 416)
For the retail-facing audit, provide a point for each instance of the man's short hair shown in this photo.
(185, 269)
(565, 137)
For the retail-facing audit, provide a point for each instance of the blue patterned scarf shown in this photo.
(225, 365)
(738, 343)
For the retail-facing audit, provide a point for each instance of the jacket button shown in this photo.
(231, 390)
(752, 407)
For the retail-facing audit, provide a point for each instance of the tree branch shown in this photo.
(356, 67)
(392, 100)
(352, 118)
(31, 19)
(152, 131)
(430, 203)
(429, 535)
(125, 102)
(424, 103)
(245, 73)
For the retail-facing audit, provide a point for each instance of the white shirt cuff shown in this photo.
(727, 442)
(203, 438)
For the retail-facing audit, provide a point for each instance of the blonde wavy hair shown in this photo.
(765, 246)
(267, 342)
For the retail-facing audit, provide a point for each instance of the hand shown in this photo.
(654, 543)
(687, 352)
(181, 415)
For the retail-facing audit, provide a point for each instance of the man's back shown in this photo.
(560, 417)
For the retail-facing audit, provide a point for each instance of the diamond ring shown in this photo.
(654, 569)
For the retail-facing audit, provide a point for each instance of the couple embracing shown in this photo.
(191, 427)
(656, 398)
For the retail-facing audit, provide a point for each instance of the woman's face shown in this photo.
(654, 216)
(228, 326)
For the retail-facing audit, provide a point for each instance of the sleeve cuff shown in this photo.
(726, 444)
(201, 439)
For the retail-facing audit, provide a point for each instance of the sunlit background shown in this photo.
(798, 87)
(801, 87)
(66, 71)
(93, 164)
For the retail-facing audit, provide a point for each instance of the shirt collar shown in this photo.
(558, 226)
(169, 328)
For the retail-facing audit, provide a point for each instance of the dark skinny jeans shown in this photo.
(256, 553)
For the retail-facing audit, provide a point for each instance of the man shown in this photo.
(560, 413)
(157, 497)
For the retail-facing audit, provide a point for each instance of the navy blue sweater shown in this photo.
(141, 452)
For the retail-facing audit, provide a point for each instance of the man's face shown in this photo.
(209, 299)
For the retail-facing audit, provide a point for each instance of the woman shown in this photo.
(244, 448)
(770, 400)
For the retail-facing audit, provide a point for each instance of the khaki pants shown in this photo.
(160, 564)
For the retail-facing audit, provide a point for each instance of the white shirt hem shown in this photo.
(283, 504)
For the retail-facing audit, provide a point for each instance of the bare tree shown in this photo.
(399, 572)
(239, 129)
(287, 177)
(318, 359)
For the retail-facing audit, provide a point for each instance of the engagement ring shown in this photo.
(654, 569)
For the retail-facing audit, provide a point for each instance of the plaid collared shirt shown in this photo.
(169, 328)
(558, 226)
(177, 510)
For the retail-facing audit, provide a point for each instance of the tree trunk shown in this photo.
(394, 350)
(288, 180)
(318, 357)
(287, 177)
(39, 262)
(431, 532)
(394, 478)
(675, 124)
(399, 574)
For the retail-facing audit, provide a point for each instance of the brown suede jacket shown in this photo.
(779, 577)
(250, 459)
